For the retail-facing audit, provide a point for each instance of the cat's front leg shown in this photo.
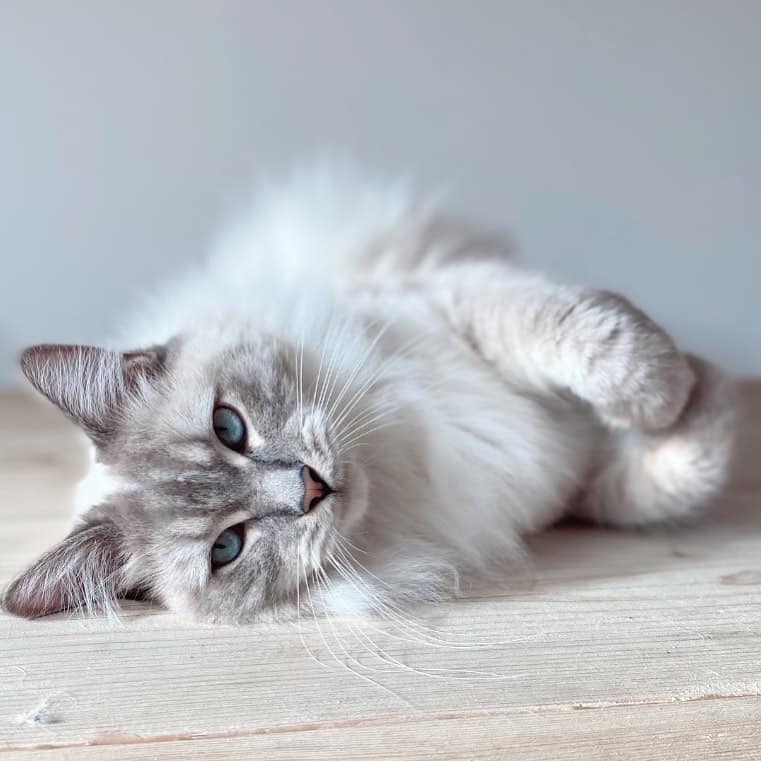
(554, 338)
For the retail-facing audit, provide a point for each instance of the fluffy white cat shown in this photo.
(358, 391)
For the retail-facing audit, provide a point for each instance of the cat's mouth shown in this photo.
(316, 489)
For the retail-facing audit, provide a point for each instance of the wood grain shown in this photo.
(603, 644)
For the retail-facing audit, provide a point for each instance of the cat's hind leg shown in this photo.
(661, 476)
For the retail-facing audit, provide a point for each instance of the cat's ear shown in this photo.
(89, 384)
(83, 571)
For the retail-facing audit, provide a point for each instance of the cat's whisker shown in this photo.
(372, 379)
(358, 438)
(388, 610)
(381, 609)
(365, 419)
(343, 538)
(359, 365)
(331, 374)
(330, 396)
(376, 404)
(355, 446)
(346, 565)
(349, 656)
(359, 431)
(306, 647)
(319, 373)
(332, 653)
(382, 407)
(359, 394)
(368, 643)
(397, 613)
(301, 383)
(315, 616)
(371, 646)
(379, 407)
(375, 378)
(321, 380)
(433, 672)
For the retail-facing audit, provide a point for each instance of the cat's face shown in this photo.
(225, 476)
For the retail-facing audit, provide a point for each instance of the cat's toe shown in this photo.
(639, 378)
(652, 393)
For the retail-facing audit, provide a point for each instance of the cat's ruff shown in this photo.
(453, 402)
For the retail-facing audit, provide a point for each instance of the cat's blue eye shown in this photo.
(227, 546)
(229, 428)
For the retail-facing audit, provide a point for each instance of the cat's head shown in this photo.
(230, 471)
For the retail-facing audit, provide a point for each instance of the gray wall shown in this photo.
(617, 139)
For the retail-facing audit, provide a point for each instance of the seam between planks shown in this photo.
(116, 739)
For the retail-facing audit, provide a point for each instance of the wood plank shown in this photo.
(679, 731)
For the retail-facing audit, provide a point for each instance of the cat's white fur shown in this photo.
(99, 484)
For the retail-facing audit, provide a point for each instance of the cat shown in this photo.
(358, 389)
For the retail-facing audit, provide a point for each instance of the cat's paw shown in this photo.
(634, 376)
(668, 474)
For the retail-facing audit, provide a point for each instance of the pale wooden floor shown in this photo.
(610, 646)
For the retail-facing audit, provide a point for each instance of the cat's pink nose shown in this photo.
(315, 489)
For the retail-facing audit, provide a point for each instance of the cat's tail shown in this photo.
(667, 475)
